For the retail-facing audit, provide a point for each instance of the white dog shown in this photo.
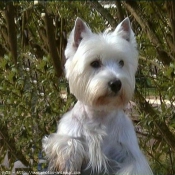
(96, 137)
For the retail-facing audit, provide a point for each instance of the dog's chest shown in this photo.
(113, 149)
(103, 139)
(111, 145)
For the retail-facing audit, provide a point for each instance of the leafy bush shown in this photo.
(33, 90)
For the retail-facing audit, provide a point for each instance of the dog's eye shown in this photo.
(96, 64)
(121, 63)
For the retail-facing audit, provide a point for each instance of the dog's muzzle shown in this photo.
(115, 85)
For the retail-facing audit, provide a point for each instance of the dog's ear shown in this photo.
(124, 30)
(80, 30)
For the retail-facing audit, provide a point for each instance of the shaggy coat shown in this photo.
(96, 136)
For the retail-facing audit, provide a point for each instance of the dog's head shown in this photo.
(101, 67)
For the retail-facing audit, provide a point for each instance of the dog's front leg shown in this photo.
(135, 163)
(65, 154)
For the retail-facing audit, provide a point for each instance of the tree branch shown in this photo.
(120, 11)
(11, 28)
(104, 12)
(52, 44)
(161, 126)
(135, 11)
(171, 12)
(11, 145)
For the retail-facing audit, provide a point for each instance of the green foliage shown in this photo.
(155, 81)
(33, 97)
(32, 102)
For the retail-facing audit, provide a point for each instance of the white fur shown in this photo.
(96, 137)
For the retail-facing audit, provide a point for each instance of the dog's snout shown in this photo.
(115, 85)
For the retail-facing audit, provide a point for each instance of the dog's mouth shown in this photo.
(111, 99)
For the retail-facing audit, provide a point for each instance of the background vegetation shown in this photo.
(33, 90)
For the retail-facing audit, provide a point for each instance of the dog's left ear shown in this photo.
(124, 30)
(80, 31)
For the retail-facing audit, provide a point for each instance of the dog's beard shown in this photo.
(98, 94)
(95, 92)
(101, 97)
(115, 100)
(111, 101)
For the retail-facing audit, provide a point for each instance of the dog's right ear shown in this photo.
(124, 29)
(80, 31)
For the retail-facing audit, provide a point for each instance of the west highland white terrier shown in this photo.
(96, 136)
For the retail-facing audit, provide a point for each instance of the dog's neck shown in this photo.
(90, 112)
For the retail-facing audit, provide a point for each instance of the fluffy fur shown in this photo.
(96, 137)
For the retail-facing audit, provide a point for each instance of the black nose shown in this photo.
(115, 85)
